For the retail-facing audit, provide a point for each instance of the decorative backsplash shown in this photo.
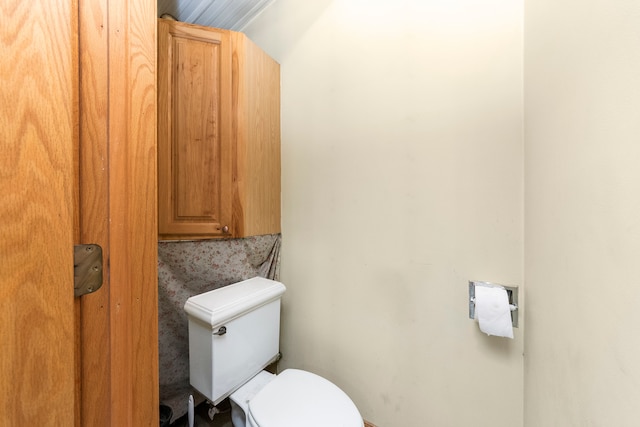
(187, 268)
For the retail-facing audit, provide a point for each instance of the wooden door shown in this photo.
(194, 133)
(78, 164)
(38, 129)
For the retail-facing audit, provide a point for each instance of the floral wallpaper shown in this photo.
(187, 268)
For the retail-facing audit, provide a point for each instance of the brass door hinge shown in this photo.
(87, 269)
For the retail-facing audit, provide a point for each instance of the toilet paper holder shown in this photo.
(512, 293)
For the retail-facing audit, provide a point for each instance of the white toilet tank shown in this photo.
(234, 333)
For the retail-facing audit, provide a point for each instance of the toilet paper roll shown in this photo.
(493, 312)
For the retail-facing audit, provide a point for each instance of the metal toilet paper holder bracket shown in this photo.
(512, 293)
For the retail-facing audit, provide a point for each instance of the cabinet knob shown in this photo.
(225, 229)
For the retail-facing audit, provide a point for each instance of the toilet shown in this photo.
(234, 333)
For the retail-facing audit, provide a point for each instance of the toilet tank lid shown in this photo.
(223, 304)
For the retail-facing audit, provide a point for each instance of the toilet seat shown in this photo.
(298, 398)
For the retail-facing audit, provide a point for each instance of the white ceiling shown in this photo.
(228, 14)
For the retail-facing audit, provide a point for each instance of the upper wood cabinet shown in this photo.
(218, 134)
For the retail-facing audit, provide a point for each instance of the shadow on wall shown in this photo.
(278, 27)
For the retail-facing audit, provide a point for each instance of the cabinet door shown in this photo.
(194, 131)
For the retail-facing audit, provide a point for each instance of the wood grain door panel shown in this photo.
(38, 130)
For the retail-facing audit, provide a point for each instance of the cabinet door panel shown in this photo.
(196, 138)
(194, 130)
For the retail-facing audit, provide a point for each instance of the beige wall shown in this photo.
(402, 169)
(402, 179)
(582, 93)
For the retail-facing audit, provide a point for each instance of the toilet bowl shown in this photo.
(233, 335)
(293, 398)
